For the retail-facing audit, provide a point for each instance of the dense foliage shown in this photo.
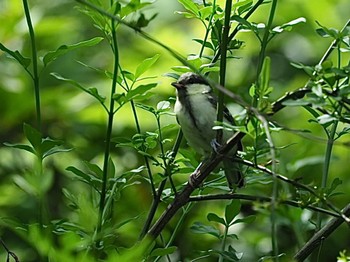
(92, 164)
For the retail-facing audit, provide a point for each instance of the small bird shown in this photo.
(195, 110)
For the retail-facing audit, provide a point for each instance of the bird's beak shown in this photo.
(176, 85)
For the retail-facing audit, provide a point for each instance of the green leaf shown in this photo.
(200, 228)
(49, 147)
(326, 119)
(91, 91)
(145, 65)
(264, 82)
(132, 7)
(142, 21)
(206, 43)
(243, 6)
(111, 168)
(33, 136)
(288, 26)
(24, 61)
(86, 178)
(139, 91)
(247, 220)
(163, 105)
(94, 92)
(25, 185)
(205, 12)
(22, 147)
(242, 21)
(232, 210)
(94, 169)
(327, 32)
(215, 218)
(190, 6)
(63, 49)
(159, 252)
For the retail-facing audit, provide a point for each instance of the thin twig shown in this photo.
(321, 235)
(261, 199)
(9, 253)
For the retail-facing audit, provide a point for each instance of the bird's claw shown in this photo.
(215, 145)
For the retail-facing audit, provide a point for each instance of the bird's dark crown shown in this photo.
(191, 78)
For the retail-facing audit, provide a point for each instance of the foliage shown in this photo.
(100, 103)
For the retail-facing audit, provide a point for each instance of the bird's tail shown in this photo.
(233, 173)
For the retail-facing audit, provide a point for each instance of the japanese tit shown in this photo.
(195, 110)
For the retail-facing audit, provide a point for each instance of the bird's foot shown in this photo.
(215, 145)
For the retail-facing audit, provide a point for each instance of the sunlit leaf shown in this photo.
(139, 91)
(33, 135)
(145, 65)
(190, 6)
(325, 119)
(24, 61)
(91, 91)
(288, 26)
(232, 210)
(22, 147)
(86, 178)
(215, 218)
(163, 105)
(200, 228)
(63, 49)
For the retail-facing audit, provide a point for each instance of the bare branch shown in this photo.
(261, 199)
(197, 178)
(321, 235)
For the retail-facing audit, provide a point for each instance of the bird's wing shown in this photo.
(227, 115)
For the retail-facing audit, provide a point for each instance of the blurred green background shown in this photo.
(74, 117)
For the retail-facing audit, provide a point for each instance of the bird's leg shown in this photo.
(215, 145)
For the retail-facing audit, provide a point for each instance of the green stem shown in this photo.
(138, 127)
(235, 31)
(224, 44)
(223, 243)
(157, 197)
(35, 75)
(262, 55)
(331, 138)
(41, 195)
(109, 128)
(326, 165)
(165, 164)
(207, 28)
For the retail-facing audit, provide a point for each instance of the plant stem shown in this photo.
(109, 128)
(207, 28)
(331, 138)
(158, 194)
(138, 128)
(223, 244)
(262, 55)
(165, 164)
(35, 75)
(224, 43)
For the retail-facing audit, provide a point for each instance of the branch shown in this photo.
(261, 199)
(321, 235)
(196, 179)
(9, 252)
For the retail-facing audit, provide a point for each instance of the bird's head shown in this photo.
(191, 83)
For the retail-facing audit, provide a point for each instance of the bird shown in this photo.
(196, 112)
